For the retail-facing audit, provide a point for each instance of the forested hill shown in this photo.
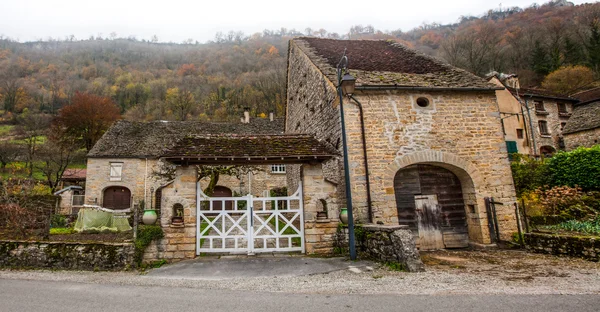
(215, 80)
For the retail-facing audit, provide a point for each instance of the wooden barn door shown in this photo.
(117, 197)
(429, 222)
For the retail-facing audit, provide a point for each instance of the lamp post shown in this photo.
(346, 88)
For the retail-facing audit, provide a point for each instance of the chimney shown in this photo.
(512, 81)
(271, 116)
(246, 115)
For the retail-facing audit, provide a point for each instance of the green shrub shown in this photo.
(58, 221)
(528, 173)
(61, 231)
(580, 167)
(587, 227)
(146, 234)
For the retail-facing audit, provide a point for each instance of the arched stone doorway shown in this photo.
(430, 200)
(222, 191)
(116, 197)
(547, 151)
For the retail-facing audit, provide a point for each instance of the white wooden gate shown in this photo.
(249, 224)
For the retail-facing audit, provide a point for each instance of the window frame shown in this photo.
(539, 106)
(543, 129)
(278, 168)
(520, 133)
(115, 165)
(564, 105)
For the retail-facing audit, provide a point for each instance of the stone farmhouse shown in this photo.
(426, 151)
(122, 164)
(425, 140)
(532, 119)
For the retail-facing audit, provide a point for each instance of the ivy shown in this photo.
(580, 167)
(146, 234)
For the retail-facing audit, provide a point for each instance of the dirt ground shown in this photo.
(509, 265)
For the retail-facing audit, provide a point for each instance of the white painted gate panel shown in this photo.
(254, 224)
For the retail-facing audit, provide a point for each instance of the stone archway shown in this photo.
(430, 201)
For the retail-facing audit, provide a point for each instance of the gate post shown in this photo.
(250, 225)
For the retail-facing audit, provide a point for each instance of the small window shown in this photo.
(562, 125)
(423, 102)
(539, 106)
(277, 168)
(519, 133)
(562, 108)
(543, 127)
(116, 171)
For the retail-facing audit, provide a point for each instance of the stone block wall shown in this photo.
(575, 246)
(587, 138)
(553, 119)
(66, 255)
(460, 131)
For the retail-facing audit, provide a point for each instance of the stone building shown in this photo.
(121, 166)
(532, 119)
(425, 141)
(583, 128)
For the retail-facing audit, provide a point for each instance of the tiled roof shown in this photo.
(585, 117)
(541, 93)
(129, 139)
(588, 95)
(74, 174)
(250, 147)
(386, 63)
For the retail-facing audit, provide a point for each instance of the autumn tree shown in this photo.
(56, 154)
(181, 102)
(569, 79)
(31, 127)
(87, 118)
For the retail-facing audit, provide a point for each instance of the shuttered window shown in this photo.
(543, 127)
(116, 171)
(511, 147)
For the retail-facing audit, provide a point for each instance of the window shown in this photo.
(562, 125)
(519, 133)
(277, 168)
(562, 108)
(543, 127)
(423, 102)
(116, 171)
(539, 106)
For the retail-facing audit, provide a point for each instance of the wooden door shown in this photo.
(117, 197)
(222, 191)
(429, 222)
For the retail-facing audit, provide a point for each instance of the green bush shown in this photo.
(58, 221)
(528, 173)
(146, 234)
(580, 167)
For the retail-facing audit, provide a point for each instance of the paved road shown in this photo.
(22, 295)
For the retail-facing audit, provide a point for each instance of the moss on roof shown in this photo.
(379, 62)
(130, 139)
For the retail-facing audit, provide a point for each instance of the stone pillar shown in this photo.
(319, 195)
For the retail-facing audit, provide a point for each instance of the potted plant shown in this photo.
(177, 218)
(149, 217)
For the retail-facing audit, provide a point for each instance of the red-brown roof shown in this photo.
(541, 93)
(74, 174)
(588, 95)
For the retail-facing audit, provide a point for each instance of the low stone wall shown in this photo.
(575, 246)
(385, 243)
(66, 255)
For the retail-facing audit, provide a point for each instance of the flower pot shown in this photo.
(149, 217)
(344, 215)
(177, 220)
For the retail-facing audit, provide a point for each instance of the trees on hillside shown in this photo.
(87, 118)
(569, 79)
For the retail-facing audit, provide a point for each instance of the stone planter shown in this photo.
(149, 217)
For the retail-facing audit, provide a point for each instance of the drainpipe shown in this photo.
(145, 180)
(531, 127)
(364, 144)
(525, 127)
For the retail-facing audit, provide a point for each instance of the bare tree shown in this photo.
(31, 127)
(9, 152)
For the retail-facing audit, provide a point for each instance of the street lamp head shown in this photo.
(347, 84)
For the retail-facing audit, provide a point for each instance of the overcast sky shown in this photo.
(176, 20)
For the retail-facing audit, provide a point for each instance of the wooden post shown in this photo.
(135, 219)
(519, 226)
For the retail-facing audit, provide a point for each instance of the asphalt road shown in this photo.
(47, 296)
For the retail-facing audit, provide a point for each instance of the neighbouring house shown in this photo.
(122, 164)
(71, 177)
(583, 128)
(431, 149)
(532, 119)
(70, 199)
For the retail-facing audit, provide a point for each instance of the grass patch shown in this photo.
(296, 241)
(395, 266)
(61, 231)
(6, 129)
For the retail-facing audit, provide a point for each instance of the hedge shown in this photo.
(579, 167)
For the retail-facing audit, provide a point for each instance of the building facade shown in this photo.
(433, 144)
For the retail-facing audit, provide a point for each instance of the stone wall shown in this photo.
(575, 246)
(587, 138)
(384, 243)
(554, 120)
(66, 255)
(460, 131)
